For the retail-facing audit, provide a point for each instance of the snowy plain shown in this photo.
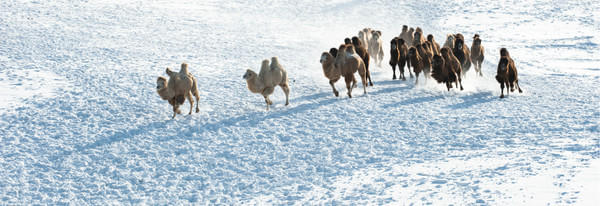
(81, 123)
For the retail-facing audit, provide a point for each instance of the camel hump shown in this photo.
(275, 64)
(264, 66)
(265, 63)
(184, 68)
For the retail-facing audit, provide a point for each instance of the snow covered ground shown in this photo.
(81, 123)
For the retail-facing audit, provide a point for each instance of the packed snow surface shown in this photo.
(81, 123)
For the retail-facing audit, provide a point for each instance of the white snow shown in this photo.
(81, 123)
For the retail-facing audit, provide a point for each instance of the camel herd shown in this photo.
(447, 65)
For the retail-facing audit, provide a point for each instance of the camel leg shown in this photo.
(348, 80)
(459, 81)
(332, 83)
(401, 72)
(480, 73)
(502, 90)
(268, 91)
(401, 69)
(197, 102)
(364, 82)
(518, 87)
(417, 78)
(268, 102)
(512, 86)
(369, 77)
(367, 70)
(394, 70)
(189, 97)
(176, 110)
(286, 90)
(196, 94)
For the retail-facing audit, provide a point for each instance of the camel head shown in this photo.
(326, 57)
(376, 34)
(477, 41)
(249, 74)
(504, 52)
(450, 38)
(161, 88)
(459, 44)
(161, 83)
(503, 64)
(413, 51)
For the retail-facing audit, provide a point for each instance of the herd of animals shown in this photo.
(446, 64)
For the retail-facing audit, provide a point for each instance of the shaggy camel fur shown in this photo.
(404, 32)
(407, 35)
(367, 32)
(399, 56)
(477, 54)
(422, 38)
(462, 53)
(347, 41)
(363, 38)
(449, 41)
(418, 37)
(429, 48)
(394, 55)
(375, 47)
(333, 51)
(181, 85)
(446, 69)
(452, 64)
(349, 63)
(435, 45)
(269, 77)
(416, 61)
(426, 56)
(332, 72)
(439, 71)
(364, 55)
(507, 73)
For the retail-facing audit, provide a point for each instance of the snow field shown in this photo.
(82, 124)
